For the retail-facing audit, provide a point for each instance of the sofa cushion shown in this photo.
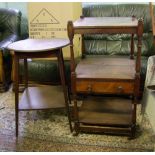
(116, 44)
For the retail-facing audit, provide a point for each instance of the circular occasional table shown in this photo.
(43, 97)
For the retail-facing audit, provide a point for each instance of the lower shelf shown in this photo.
(112, 112)
(43, 97)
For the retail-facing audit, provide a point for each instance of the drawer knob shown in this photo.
(89, 88)
(120, 88)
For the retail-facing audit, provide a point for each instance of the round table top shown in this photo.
(38, 45)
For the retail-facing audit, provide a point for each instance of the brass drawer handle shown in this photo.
(119, 88)
(89, 88)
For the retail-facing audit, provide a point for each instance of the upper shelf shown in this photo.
(90, 22)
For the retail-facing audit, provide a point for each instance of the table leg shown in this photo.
(26, 72)
(63, 82)
(132, 47)
(16, 61)
(133, 126)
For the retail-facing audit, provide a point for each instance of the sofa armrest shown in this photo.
(3, 45)
(150, 75)
(8, 40)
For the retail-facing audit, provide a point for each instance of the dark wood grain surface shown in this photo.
(97, 22)
(106, 111)
(43, 97)
(106, 68)
(37, 45)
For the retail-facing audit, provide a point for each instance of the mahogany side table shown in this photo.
(102, 75)
(44, 97)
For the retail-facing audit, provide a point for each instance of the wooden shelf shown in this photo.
(104, 67)
(43, 97)
(106, 111)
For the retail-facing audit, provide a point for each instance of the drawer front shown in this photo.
(105, 87)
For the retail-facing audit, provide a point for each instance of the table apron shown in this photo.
(45, 54)
(105, 30)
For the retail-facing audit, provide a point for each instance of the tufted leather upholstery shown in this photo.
(9, 32)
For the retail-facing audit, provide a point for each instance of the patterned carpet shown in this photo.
(49, 131)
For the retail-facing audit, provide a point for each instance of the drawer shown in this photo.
(105, 87)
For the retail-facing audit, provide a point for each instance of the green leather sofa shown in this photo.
(46, 71)
(10, 20)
